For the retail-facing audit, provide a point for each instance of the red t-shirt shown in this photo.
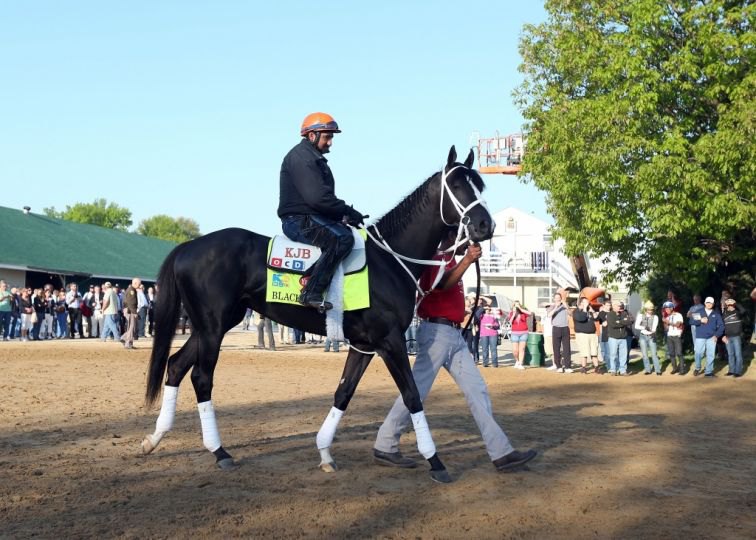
(449, 303)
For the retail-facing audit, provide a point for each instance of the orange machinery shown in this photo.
(501, 154)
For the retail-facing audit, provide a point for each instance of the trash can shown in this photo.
(534, 352)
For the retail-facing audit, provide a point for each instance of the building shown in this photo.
(36, 249)
(522, 261)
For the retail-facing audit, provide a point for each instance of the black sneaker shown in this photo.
(696, 372)
(393, 459)
(729, 374)
(709, 375)
(514, 460)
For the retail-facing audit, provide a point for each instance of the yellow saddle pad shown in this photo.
(285, 278)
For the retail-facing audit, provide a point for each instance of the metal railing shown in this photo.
(508, 263)
(529, 262)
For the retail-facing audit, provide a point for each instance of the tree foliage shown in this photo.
(167, 228)
(98, 213)
(641, 124)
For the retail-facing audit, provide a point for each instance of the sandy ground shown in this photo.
(619, 458)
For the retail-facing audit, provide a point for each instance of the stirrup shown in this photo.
(318, 303)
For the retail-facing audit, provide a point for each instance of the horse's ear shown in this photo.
(470, 159)
(452, 159)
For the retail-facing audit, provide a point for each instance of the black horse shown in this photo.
(218, 276)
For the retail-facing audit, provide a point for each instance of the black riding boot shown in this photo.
(313, 294)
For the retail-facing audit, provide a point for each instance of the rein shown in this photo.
(477, 297)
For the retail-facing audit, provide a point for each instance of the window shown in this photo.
(510, 225)
(545, 294)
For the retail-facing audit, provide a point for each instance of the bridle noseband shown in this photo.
(463, 233)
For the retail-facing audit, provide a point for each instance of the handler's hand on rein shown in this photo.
(473, 252)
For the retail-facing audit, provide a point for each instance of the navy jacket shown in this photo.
(714, 325)
(307, 185)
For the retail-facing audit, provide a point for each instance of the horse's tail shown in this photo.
(167, 309)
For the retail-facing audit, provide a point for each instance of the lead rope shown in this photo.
(477, 297)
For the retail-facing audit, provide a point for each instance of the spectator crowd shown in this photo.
(104, 311)
(605, 331)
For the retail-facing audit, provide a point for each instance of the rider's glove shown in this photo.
(353, 216)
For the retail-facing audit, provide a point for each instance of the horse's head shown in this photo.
(461, 200)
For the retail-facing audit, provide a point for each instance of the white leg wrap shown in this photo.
(424, 440)
(210, 435)
(167, 411)
(325, 456)
(328, 429)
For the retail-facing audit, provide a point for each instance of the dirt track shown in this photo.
(635, 457)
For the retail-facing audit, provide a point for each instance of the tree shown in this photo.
(641, 125)
(167, 228)
(98, 212)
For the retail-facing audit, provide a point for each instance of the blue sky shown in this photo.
(187, 108)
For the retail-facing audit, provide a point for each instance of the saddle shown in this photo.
(298, 258)
(289, 265)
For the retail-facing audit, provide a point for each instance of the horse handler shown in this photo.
(440, 343)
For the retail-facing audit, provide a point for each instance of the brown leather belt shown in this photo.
(444, 321)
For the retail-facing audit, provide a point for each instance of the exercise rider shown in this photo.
(309, 210)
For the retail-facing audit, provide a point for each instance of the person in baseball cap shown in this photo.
(709, 329)
(733, 336)
(673, 327)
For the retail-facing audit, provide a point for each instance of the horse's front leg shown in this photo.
(410, 406)
(355, 367)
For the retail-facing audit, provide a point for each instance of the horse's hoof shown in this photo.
(226, 464)
(328, 466)
(441, 476)
(147, 445)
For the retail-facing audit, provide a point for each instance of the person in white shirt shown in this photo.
(73, 301)
(674, 325)
(142, 304)
(646, 322)
(95, 327)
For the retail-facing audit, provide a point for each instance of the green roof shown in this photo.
(40, 243)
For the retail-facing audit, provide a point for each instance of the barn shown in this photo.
(36, 249)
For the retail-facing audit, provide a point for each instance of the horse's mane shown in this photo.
(397, 219)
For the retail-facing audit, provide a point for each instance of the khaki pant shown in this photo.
(128, 337)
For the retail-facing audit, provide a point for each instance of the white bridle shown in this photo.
(463, 235)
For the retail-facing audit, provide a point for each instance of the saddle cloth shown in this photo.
(289, 261)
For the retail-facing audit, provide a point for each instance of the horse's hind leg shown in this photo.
(178, 366)
(202, 380)
(355, 367)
